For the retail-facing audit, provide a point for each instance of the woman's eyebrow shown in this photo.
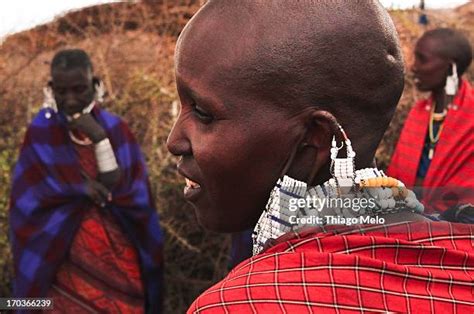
(202, 99)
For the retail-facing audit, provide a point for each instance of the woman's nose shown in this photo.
(70, 98)
(178, 143)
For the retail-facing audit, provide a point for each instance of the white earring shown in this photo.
(452, 82)
(99, 91)
(342, 169)
(49, 102)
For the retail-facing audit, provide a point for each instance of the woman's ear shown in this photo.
(312, 154)
(322, 128)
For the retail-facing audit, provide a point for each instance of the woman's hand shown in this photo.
(96, 191)
(86, 124)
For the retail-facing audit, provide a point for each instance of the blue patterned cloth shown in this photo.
(48, 201)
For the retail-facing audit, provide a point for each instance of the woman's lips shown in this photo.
(192, 190)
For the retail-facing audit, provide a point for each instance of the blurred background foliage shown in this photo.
(132, 47)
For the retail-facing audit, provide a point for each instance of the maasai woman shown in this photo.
(436, 147)
(284, 102)
(84, 228)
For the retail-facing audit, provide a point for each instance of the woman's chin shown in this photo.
(423, 87)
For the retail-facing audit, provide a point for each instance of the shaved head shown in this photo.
(261, 83)
(452, 45)
(340, 56)
(71, 58)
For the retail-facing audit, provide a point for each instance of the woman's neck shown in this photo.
(440, 100)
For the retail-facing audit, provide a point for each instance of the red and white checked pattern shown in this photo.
(405, 267)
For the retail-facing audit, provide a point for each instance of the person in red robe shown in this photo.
(285, 102)
(435, 149)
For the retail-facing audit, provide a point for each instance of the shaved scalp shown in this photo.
(340, 56)
(452, 44)
(71, 58)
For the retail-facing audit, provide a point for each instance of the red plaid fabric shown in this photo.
(452, 166)
(405, 267)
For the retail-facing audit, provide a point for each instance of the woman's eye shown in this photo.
(59, 91)
(201, 114)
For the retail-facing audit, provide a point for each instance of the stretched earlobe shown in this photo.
(452, 81)
(99, 90)
(310, 157)
(49, 102)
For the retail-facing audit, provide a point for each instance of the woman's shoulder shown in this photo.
(112, 121)
(109, 117)
(467, 90)
(45, 117)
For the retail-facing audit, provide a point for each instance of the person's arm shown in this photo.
(111, 178)
(109, 170)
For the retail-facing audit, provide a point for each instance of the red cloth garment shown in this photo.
(450, 176)
(101, 272)
(408, 267)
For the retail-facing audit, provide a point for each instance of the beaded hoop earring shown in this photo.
(281, 215)
(342, 169)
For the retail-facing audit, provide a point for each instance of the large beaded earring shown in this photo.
(342, 169)
(452, 81)
(99, 91)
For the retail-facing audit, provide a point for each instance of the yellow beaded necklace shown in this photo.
(435, 138)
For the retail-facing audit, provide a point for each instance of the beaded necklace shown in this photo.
(281, 215)
(439, 117)
(293, 205)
